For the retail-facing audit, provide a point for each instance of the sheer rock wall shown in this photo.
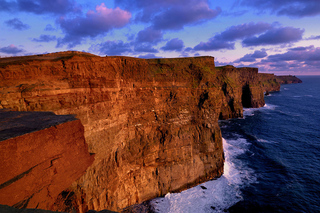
(152, 124)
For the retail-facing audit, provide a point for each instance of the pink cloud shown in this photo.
(93, 24)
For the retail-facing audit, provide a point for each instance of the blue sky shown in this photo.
(277, 36)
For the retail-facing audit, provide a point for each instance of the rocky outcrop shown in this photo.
(288, 79)
(269, 82)
(41, 155)
(152, 124)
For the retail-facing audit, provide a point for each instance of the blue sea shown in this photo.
(272, 159)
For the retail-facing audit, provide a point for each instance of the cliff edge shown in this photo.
(41, 155)
(152, 124)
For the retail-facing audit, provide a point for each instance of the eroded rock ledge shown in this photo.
(41, 155)
(152, 124)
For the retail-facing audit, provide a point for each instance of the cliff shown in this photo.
(41, 155)
(288, 79)
(152, 124)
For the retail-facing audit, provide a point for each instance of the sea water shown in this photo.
(272, 159)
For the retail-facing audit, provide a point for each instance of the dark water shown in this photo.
(272, 159)
(284, 150)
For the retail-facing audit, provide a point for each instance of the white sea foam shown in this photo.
(251, 111)
(265, 141)
(216, 195)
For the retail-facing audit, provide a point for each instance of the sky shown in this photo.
(277, 36)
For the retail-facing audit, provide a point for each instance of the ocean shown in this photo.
(272, 159)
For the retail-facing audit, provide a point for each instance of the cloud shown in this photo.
(93, 24)
(49, 27)
(252, 57)
(313, 38)
(174, 45)
(12, 49)
(145, 48)
(112, 48)
(149, 35)
(225, 39)
(45, 38)
(17, 24)
(214, 44)
(301, 54)
(293, 8)
(7, 5)
(298, 59)
(58, 7)
(243, 31)
(171, 15)
(275, 36)
(147, 56)
(177, 17)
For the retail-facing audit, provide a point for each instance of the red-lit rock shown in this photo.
(152, 124)
(41, 155)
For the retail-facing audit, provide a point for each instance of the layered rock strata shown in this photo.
(152, 124)
(41, 155)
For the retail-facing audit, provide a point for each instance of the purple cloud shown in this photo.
(243, 31)
(93, 24)
(225, 40)
(17, 24)
(49, 28)
(252, 57)
(149, 35)
(6, 6)
(293, 8)
(45, 6)
(112, 48)
(58, 7)
(171, 15)
(45, 38)
(302, 59)
(11, 49)
(174, 45)
(145, 48)
(214, 44)
(301, 54)
(147, 56)
(275, 36)
(313, 38)
(177, 17)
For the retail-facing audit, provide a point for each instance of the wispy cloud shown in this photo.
(11, 49)
(252, 34)
(45, 38)
(17, 24)
(225, 39)
(283, 35)
(57, 7)
(293, 8)
(112, 48)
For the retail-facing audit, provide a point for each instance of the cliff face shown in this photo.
(152, 124)
(41, 155)
(269, 82)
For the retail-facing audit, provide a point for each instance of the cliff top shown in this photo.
(13, 124)
(287, 79)
(49, 56)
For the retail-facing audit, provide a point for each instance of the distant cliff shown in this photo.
(152, 124)
(288, 79)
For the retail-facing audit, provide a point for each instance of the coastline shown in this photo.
(147, 121)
